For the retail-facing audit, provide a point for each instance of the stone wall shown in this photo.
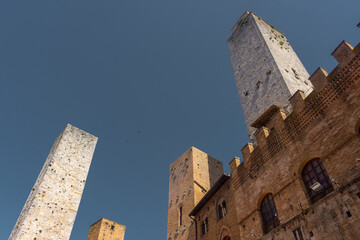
(267, 71)
(105, 229)
(50, 210)
(191, 176)
(322, 125)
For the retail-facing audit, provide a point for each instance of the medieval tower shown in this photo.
(191, 176)
(105, 229)
(50, 210)
(267, 70)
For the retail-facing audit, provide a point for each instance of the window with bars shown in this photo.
(316, 180)
(269, 213)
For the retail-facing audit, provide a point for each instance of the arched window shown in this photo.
(221, 209)
(316, 180)
(269, 213)
(204, 226)
(226, 238)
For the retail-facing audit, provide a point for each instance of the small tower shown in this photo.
(105, 229)
(50, 210)
(267, 70)
(191, 176)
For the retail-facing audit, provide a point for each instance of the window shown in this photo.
(316, 180)
(269, 213)
(204, 226)
(221, 209)
(297, 234)
(180, 215)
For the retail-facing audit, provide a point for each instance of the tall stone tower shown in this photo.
(50, 210)
(191, 176)
(267, 70)
(105, 229)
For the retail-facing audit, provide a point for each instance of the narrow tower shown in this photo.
(191, 176)
(105, 229)
(50, 210)
(267, 70)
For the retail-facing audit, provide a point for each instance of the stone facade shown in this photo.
(50, 210)
(267, 70)
(301, 181)
(105, 229)
(217, 210)
(191, 176)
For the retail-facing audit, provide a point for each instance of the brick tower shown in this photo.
(191, 176)
(105, 229)
(267, 70)
(50, 210)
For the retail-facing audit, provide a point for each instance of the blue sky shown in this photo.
(149, 78)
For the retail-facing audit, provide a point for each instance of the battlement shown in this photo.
(275, 130)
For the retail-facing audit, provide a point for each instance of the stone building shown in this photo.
(299, 178)
(51, 208)
(105, 229)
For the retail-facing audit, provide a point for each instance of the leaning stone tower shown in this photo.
(191, 176)
(267, 70)
(50, 210)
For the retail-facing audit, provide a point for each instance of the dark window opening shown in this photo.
(180, 215)
(316, 180)
(221, 209)
(112, 227)
(297, 234)
(311, 234)
(204, 226)
(269, 213)
(348, 213)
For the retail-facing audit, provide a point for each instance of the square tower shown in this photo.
(191, 176)
(50, 210)
(105, 229)
(266, 68)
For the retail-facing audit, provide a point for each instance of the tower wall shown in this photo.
(50, 210)
(267, 70)
(191, 176)
(105, 229)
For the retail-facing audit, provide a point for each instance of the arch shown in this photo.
(316, 180)
(304, 162)
(269, 213)
(225, 233)
(221, 209)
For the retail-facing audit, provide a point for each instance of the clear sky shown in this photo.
(150, 78)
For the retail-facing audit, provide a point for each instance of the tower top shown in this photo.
(266, 68)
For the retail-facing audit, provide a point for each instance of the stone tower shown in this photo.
(105, 229)
(191, 176)
(267, 70)
(50, 210)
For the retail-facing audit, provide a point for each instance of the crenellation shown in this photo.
(284, 129)
(319, 79)
(261, 134)
(297, 101)
(343, 53)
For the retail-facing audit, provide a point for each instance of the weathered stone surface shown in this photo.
(191, 176)
(266, 68)
(105, 229)
(50, 210)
